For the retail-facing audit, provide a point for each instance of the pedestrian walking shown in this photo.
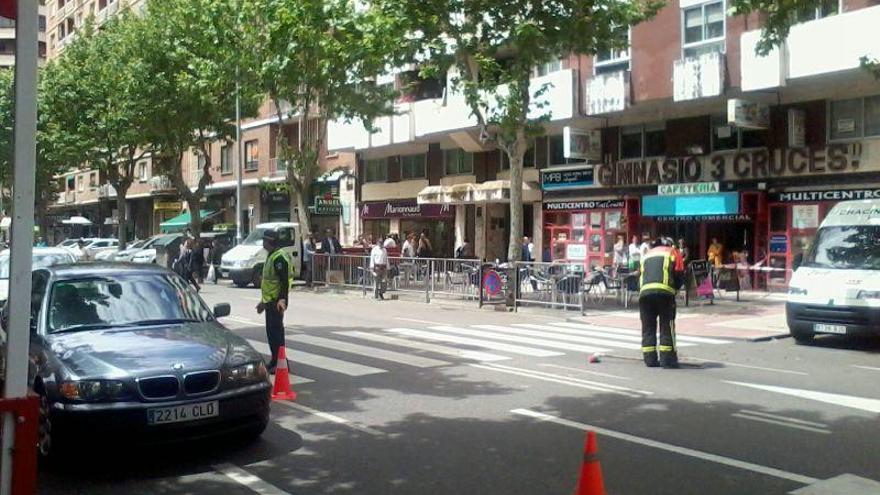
(274, 291)
(661, 275)
(184, 265)
(379, 267)
(308, 259)
(330, 244)
(409, 246)
(197, 260)
(635, 254)
(620, 253)
(425, 250)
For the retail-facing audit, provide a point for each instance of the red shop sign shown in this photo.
(405, 209)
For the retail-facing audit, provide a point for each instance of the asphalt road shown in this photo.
(403, 397)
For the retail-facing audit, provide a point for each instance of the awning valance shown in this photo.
(495, 191)
(182, 221)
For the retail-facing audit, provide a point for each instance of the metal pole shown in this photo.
(25, 161)
(240, 153)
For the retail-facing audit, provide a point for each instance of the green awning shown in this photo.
(182, 221)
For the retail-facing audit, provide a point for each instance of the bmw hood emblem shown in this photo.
(177, 366)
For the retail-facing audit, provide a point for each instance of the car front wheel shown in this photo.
(802, 336)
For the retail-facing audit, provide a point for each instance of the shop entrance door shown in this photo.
(736, 237)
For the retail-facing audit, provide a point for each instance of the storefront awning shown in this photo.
(332, 176)
(692, 204)
(495, 191)
(182, 221)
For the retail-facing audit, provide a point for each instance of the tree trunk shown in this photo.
(514, 249)
(121, 217)
(303, 216)
(194, 201)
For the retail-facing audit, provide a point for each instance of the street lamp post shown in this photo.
(240, 158)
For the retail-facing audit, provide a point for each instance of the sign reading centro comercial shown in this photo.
(690, 188)
(408, 208)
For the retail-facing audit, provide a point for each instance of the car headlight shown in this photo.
(247, 373)
(868, 295)
(797, 291)
(91, 390)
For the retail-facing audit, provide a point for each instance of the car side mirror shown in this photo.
(797, 261)
(221, 310)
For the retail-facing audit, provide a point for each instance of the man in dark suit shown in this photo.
(330, 244)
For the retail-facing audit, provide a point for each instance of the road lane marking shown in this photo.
(329, 417)
(604, 336)
(749, 366)
(568, 377)
(607, 375)
(521, 340)
(851, 401)
(496, 346)
(239, 319)
(318, 361)
(779, 423)
(251, 481)
(563, 380)
(624, 331)
(785, 418)
(872, 368)
(372, 352)
(414, 320)
(583, 339)
(424, 346)
(718, 459)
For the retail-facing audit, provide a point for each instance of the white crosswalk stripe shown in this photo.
(561, 336)
(521, 340)
(485, 344)
(603, 337)
(424, 346)
(372, 352)
(319, 361)
(624, 331)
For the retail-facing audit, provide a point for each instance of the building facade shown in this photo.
(7, 40)
(687, 133)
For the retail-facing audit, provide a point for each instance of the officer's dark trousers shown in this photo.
(274, 330)
(654, 307)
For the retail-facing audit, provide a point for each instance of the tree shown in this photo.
(317, 57)
(494, 45)
(190, 49)
(95, 96)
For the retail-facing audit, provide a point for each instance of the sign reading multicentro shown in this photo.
(689, 188)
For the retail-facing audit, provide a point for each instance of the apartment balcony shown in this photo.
(698, 77)
(106, 191)
(419, 120)
(66, 198)
(606, 93)
(833, 44)
(161, 184)
(277, 168)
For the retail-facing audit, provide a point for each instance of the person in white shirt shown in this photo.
(389, 243)
(379, 266)
(646, 245)
(409, 246)
(635, 253)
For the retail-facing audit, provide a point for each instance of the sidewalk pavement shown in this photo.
(756, 316)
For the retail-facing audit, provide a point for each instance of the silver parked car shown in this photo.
(42, 258)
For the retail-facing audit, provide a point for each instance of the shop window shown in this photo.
(727, 137)
(703, 29)
(778, 219)
(251, 155)
(413, 166)
(226, 159)
(855, 118)
(376, 170)
(528, 158)
(642, 141)
(813, 12)
(143, 174)
(458, 162)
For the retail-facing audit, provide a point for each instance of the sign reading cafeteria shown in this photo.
(405, 209)
(691, 188)
(743, 165)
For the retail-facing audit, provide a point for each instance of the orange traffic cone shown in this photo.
(590, 482)
(282, 390)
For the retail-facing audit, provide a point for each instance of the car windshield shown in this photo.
(853, 247)
(40, 260)
(124, 300)
(255, 238)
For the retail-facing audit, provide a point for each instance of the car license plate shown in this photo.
(179, 414)
(824, 328)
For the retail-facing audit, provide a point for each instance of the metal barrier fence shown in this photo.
(557, 285)
(429, 276)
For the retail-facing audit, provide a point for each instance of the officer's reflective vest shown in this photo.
(658, 271)
(270, 286)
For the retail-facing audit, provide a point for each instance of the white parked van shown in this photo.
(244, 263)
(835, 288)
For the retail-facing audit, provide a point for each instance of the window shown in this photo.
(81, 183)
(812, 13)
(727, 137)
(143, 174)
(376, 170)
(458, 162)
(608, 61)
(226, 159)
(703, 29)
(642, 141)
(855, 118)
(93, 180)
(251, 155)
(548, 68)
(42, 23)
(528, 158)
(556, 152)
(9, 23)
(413, 166)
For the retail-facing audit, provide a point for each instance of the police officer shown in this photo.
(277, 274)
(661, 275)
